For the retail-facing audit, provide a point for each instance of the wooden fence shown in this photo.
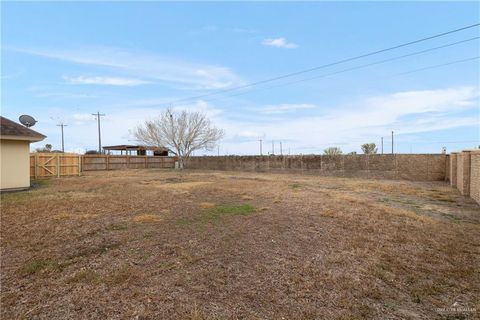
(45, 165)
(106, 162)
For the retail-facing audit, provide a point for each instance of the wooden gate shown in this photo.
(50, 164)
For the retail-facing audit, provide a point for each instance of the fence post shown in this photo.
(36, 166)
(79, 165)
(108, 162)
(58, 165)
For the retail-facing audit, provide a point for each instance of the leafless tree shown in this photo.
(182, 132)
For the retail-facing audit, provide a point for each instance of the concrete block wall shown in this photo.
(453, 169)
(475, 175)
(464, 173)
(415, 167)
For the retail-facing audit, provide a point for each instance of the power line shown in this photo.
(361, 67)
(328, 64)
(439, 65)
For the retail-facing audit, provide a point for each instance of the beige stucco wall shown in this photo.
(14, 164)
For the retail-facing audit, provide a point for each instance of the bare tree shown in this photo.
(332, 151)
(182, 132)
(369, 148)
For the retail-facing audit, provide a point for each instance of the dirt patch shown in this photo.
(150, 244)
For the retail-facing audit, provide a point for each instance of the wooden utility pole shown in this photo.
(61, 125)
(98, 115)
(392, 142)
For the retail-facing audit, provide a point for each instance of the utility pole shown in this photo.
(273, 147)
(61, 125)
(392, 142)
(98, 115)
(281, 150)
(382, 145)
(260, 147)
(218, 150)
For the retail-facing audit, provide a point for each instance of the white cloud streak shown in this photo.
(279, 43)
(286, 108)
(109, 81)
(144, 65)
(348, 126)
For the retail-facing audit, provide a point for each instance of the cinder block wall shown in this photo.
(453, 168)
(463, 172)
(475, 175)
(415, 167)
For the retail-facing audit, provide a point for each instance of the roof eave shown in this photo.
(22, 138)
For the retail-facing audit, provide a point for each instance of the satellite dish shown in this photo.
(27, 121)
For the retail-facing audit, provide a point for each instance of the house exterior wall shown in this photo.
(14, 164)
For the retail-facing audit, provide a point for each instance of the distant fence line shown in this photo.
(51, 164)
(414, 167)
(107, 162)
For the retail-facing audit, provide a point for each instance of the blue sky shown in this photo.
(63, 61)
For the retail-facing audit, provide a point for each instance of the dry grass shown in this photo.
(153, 244)
(146, 218)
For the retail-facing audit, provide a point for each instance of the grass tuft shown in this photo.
(37, 266)
(118, 227)
(217, 212)
(40, 183)
(85, 276)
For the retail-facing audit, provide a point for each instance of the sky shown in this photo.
(61, 62)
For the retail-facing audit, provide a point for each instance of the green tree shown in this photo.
(369, 148)
(332, 151)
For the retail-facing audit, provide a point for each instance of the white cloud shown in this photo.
(367, 120)
(285, 108)
(145, 65)
(249, 134)
(347, 126)
(111, 81)
(279, 43)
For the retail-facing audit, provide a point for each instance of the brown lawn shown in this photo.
(153, 244)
